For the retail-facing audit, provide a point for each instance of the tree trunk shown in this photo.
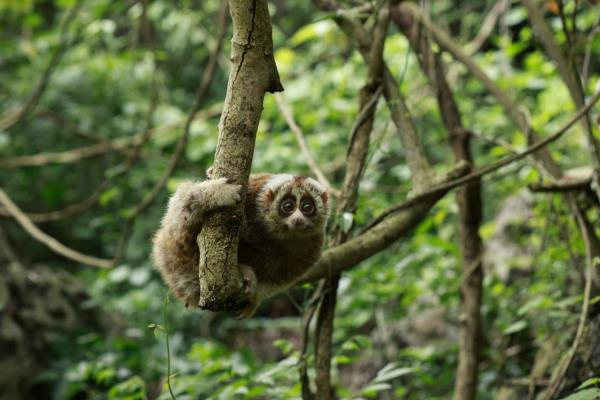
(253, 72)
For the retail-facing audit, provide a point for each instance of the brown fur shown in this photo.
(270, 252)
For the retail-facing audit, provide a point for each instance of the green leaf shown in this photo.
(390, 372)
(589, 382)
(109, 195)
(515, 327)
(587, 394)
(373, 389)
(312, 32)
(346, 221)
(105, 375)
(342, 359)
(285, 346)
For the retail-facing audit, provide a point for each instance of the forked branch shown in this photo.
(398, 220)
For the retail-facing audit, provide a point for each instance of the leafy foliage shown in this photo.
(117, 53)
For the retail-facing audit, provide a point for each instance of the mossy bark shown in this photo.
(253, 73)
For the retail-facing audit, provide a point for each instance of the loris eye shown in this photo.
(307, 206)
(287, 206)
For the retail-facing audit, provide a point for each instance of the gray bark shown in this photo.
(253, 72)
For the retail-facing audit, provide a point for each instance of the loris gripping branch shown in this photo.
(281, 236)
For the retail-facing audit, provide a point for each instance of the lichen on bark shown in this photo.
(253, 73)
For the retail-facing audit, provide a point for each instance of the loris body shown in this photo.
(281, 236)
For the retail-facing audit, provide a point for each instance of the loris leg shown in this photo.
(251, 292)
(175, 251)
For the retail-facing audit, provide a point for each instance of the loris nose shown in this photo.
(298, 222)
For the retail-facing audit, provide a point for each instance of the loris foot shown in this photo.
(209, 172)
(250, 292)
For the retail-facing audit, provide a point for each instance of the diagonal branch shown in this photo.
(470, 210)
(48, 240)
(487, 27)
(398, 220)
(571, 79)
(299, 135)
(421, 174)
(512, 109)
(592, 260)
(15, 115)
(201, 93)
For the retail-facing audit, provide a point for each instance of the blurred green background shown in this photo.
(70, 331)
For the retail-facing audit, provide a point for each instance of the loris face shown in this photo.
(293, 206)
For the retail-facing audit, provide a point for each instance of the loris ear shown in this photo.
(324, 197)
(269, 196)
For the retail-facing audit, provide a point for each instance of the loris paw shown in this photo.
(250, 292)
(209, 172)
(247, 312)
(221, 193)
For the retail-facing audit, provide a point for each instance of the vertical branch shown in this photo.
(470, 210)
(571, 79)
(358, 148)
(307, 317)
(253, 73)
(323, 336)
(512, 108)
(421, 173)
(567, 373)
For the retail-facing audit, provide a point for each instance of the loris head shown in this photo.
(293, 206)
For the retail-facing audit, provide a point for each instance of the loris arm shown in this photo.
(175, 251)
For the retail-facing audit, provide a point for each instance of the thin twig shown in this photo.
(570, 77)
(365, 113)
(299, 135)
(487, 27)
(63, 157)
(48, 240)
(122, 144)
(591, 260)
(15, 115)
(6, 250)
(563, 185)
(307, 317)
(164, 312)
(588, 54)
(513, 110)
(183, 140)
(63, 122)
(506, 146)
(67, 211)
(453, 183)
(132, 157)
(358, 147)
